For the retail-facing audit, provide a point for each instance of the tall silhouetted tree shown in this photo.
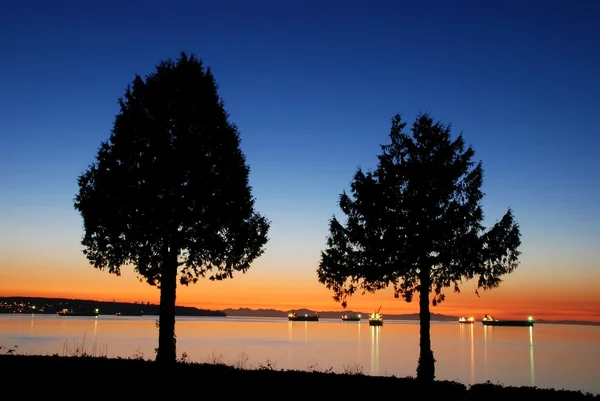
(415, 224)
(169, 192)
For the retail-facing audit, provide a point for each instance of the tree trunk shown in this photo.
(166, 354)
(426, 366)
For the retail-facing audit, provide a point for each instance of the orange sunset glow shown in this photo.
(269, 286)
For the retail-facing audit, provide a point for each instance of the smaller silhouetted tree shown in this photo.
(415, 224)
(169, 191)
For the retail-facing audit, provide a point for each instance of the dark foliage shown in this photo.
(169, 192)
(415, 224)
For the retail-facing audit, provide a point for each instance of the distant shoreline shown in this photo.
(44, 305)
(11, 305)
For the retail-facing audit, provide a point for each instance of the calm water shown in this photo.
(558, 356)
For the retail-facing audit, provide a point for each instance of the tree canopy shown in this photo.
(169, 190)
(415, 224)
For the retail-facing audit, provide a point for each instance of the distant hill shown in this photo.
(54, 305)
(580, 322)
(329, 314)
(337, 314)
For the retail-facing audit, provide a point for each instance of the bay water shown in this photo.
(545, 356)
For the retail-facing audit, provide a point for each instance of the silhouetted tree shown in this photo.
(169, 192)
(415, 224)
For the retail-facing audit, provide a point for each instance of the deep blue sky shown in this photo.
(312, 86)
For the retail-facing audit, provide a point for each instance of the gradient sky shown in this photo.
(312, 86)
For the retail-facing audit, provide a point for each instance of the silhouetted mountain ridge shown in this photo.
(337, 315)
(329, 314)
(582, 322)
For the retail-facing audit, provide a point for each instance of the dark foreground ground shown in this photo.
(63, 377)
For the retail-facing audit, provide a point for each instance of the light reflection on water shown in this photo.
(375, 330)
(486, 334)
(565, 355)
(472, 349)
(531, 364)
